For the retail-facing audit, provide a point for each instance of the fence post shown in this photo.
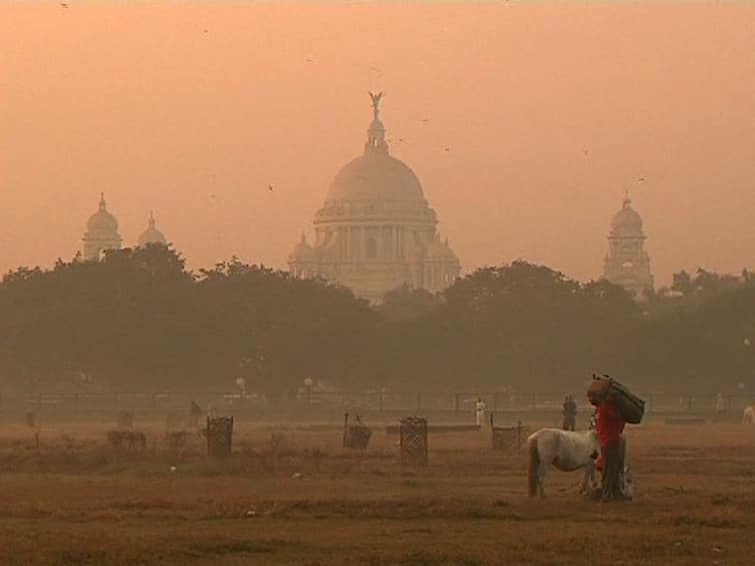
(518, 434)
(345, 427)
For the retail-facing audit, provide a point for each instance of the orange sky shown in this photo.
(139, 101)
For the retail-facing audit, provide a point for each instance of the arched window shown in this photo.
(371, 250)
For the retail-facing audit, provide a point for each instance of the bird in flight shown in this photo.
(308, 60)
(64, 5)
(446, 149)
(270, 188)
(641, 179)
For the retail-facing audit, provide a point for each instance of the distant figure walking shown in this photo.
(720, 404)
(480, 411)
(570, 413)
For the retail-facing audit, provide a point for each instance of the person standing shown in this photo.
(569, 413)
(720, 404)
(480, 411)
(609, 428)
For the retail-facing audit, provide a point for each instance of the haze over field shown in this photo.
(548, 111)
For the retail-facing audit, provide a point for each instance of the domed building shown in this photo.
(627, 263)
(152, 235)
(376, 231)
(102, 233)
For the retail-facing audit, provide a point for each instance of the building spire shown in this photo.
(151, 219)
(102, 201)
(376, 131)
(376, 105)
(627, 198)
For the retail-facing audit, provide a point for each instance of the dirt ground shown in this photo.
(74, 500)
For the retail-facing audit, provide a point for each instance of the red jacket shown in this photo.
(610, 424)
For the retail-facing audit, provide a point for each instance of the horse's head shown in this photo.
(592, 436)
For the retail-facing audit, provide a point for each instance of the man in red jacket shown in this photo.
(609, 428)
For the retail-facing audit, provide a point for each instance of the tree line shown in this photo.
(140, 320)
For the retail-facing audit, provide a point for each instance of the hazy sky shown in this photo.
(550, 111)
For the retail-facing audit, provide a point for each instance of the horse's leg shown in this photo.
(586, 476)
(541, 471)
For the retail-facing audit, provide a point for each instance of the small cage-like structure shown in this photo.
(219, 437)
(507, 437)
(357, 435)
(413, 441)
(127, 440)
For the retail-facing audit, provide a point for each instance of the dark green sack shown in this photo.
(631, 407)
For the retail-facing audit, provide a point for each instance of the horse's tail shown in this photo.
(532, 466)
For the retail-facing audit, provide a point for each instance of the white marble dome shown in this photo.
(152, 235)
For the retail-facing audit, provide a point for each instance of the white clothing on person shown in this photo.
(480, 411)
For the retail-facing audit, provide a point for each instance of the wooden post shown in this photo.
(518, 434)
(345, 428)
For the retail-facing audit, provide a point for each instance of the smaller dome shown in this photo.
(303, 252)
(436, 249)
(102, 220)
(627, 220)
(450, 254)
(152, 235)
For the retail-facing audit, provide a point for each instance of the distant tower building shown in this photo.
(376, 231)
(152, 235)
(627, 263)
(102, 233)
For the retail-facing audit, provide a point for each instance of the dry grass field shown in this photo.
(73, 500)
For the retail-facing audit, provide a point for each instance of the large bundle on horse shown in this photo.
(631, 407)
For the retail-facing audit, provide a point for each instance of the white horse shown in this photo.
(566, 451)
(749, 415)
